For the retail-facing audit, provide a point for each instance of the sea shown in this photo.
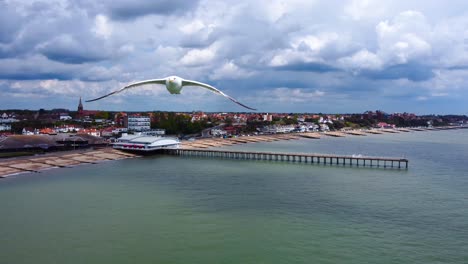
(169, 209)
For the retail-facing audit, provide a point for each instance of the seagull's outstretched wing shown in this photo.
(154, 81)
(209, 87)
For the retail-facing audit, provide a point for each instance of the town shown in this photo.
(110, 125)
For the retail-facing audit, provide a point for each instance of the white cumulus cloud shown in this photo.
(102, 27)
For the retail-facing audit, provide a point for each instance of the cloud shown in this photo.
(318, 49)
(11, 22)
(291, 95)
(230, 71)
(40, 68)
(347, 50)
(123, 10)
(404, 39)
(197, 57)
(403, 50)
(414, 72)
(34, 68)
(198, 34)
(363, 9)
(307, 67)
(102, 27)
(361, 60)
(67, 49)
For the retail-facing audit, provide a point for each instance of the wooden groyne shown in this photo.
(334, 134)
(220, 142)
(312, 158)
(374, 131)
(354, 133)
(58, 160)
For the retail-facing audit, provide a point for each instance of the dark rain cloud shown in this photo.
(35, 68)
(307, 67)
(413, 71)
(67, 49)
(123, 10)
(35, 75)
(40, 68)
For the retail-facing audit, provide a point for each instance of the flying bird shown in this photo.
(174, 85)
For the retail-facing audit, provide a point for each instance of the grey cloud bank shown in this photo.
(282, 56)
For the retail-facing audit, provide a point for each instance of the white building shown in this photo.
(324, 127)
(277, 129)
(138, 123)
(267, 117)
(30, 131)
(5, 127)
(216, 132)
(65, 117)
(6, 121)
(145, 143)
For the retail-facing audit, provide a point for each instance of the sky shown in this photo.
(333, 56)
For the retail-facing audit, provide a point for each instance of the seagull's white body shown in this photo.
(174, 85)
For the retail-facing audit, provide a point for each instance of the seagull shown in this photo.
(174, 85)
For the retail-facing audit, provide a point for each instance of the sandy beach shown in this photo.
(220, 142)
(64, 159)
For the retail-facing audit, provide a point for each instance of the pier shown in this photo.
(312, 158)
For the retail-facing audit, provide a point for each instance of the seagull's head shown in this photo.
(173, 79)
(174, 84)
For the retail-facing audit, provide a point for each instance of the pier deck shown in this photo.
(313, 158)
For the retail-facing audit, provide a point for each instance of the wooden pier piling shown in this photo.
(313, 158)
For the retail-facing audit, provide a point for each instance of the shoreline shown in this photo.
(62, 159)
(206, 143)
(70, 158)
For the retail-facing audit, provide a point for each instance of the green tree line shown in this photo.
(176, 124)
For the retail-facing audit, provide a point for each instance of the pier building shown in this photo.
(145, 143)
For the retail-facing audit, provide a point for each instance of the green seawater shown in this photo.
(164, 209)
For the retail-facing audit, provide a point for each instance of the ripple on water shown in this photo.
(198, 210)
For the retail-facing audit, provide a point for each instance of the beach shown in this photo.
(62, 159)
(222, 142)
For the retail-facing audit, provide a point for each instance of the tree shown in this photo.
(290, 121)
(102, 115)
(178, 124)
(228, 121)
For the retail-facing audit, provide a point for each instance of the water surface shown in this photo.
(165, 209)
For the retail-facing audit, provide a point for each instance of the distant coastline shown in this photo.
(63, 159)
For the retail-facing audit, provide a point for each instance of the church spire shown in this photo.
(80, 108)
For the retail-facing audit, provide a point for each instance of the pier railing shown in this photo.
(312, 158)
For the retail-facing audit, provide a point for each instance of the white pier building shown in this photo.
(145, 143)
